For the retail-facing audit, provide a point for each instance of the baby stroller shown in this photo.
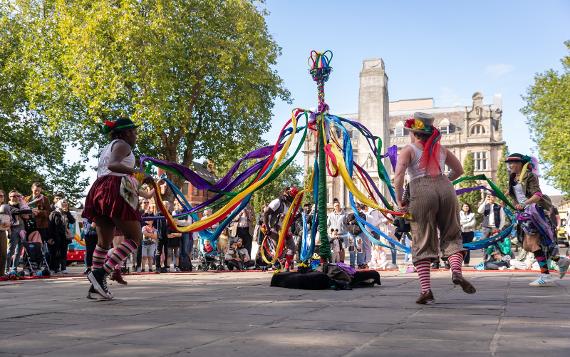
(210, 256)
(34, 258)
(210, 261)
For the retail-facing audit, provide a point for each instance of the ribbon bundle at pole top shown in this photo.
(333, 154)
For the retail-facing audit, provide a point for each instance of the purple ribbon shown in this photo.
(201, 183)
(470, 189)
(392, 154)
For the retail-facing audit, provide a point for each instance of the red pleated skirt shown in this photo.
(104, 199)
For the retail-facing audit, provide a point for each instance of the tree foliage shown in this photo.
(197, 75)
(289, 177)
(502, 173)
(29, 151)
(471, 198)
(547, 110)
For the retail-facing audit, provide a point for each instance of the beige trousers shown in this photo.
(434, 208)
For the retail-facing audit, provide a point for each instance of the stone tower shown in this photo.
(373, 103)
(374, 113)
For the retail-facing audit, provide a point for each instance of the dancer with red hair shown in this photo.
(432, 203)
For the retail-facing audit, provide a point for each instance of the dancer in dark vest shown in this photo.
(273, 220)
(493, 216)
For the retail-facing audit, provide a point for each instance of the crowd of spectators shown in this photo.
(36, 218)
(33, 219)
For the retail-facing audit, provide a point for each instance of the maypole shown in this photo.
(320, 70)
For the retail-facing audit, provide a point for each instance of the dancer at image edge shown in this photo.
(535, 227)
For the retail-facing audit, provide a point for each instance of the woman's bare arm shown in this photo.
(404, 160)
(454, 165)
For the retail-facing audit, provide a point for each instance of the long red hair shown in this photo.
(431, 154)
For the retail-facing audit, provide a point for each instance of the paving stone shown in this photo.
(234, 314)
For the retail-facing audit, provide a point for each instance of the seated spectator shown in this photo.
(209, 251)
(243, 254)
(233, 260)
(496, 260)
(379, 258)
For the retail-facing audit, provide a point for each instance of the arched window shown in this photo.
(444, 126)
(399, 129)
(370, 162)
(477, 129)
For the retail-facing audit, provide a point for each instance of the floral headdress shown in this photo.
(117, 125)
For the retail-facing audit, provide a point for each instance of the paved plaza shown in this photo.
(238, 314)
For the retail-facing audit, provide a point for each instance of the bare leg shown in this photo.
(105, 230)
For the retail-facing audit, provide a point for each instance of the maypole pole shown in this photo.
(320, 70)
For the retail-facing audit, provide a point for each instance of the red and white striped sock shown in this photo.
(423, 268)
(99, 256)
(456, 261)
(119, 255)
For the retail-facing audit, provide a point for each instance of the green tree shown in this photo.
(474, 197)
(547, 110)
(29, 151)
(502, 173)
(196, 75)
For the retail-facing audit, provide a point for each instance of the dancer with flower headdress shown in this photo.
(112, 203)
(535, 227)
(432, 203)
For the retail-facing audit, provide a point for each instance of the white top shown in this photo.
(414, 169)
(336, 221)
(519, 194)
(103, 166)
(242, 220)
(274, 205)
(467, 221)
(491, 222)
(373, 217)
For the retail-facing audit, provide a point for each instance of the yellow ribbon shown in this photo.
(203, 223)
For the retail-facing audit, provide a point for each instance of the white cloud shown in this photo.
(448, 97)
(499, 69)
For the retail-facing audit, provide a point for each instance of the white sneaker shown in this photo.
(64, 272)
(543, 280)
(563, 265)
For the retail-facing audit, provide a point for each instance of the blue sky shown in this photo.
(442, 49)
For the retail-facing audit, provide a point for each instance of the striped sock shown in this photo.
(541, 260)
(455, 261)
(119, 255)
(423, 268)
(99, 256)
